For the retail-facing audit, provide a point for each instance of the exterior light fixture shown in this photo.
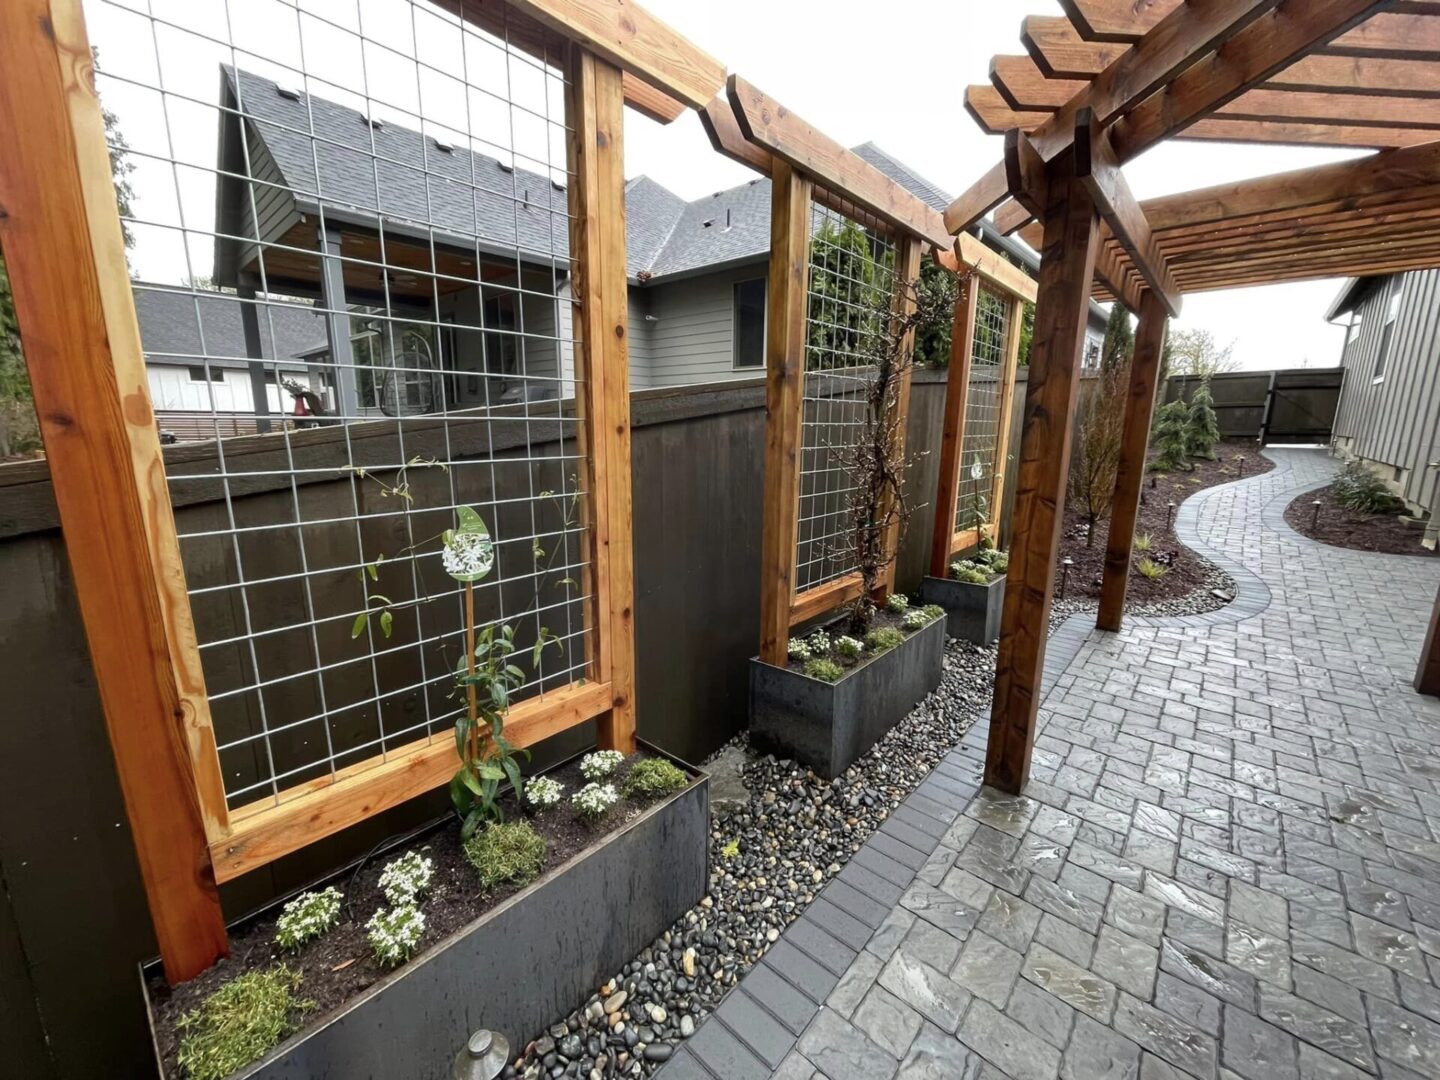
(483, 1058)
(1315, 514)
(1065, 565)
(1169, 512)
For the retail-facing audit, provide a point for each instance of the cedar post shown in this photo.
(1427, 675)
(784, 401)
(1130, 472)
(907, 277)
(1007, 410)
(66, 257)
(952, 439)
(597, 251)
(1066, 269)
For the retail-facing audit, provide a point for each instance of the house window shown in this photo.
(1092, 354)
(749, 331)
(1387, 335)
(199, 374)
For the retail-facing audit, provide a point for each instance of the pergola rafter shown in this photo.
(1100, 87)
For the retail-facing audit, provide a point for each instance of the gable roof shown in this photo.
(468, 199)
(172, 322)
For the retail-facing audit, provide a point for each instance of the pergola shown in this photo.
(1099, 87)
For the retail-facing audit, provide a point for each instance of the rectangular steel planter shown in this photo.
(828, 725)
(972, 611)
(520, 966)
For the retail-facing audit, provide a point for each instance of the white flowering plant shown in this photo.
(543, 792)
(395, 933)
(896, 603)
(819, 643)
(848, 647)
(600, 764)
(407, 879)
(915, 619)
(798, 650)
(307, 917)
(593, 800)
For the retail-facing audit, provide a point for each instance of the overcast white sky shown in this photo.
(895, 74)
(896, 77)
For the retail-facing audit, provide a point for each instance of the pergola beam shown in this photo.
(1182, 39)
(1097, 167)
(1400, 31)
(1427, 675)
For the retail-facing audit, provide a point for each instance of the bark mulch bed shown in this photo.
(1339, 527)
(1187, 571)
(339, 965)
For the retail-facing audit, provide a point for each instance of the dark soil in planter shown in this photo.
(1344, 528)
(339, 965)
(1188, 572)
(839, 628)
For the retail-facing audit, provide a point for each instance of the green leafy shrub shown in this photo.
(1149, 568)
(1359, 490)
(824, 670)
(897, 602)
(239, 1022)
(1203, 430)
(394, 934)
(1170, 439)
(307, 917)
(512, 852)
(969, 573)
(848, 647)
(653, 778)
(1000, 562)
(883, 639)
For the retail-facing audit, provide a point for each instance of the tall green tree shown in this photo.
(1119, 339)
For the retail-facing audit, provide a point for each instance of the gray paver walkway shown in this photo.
(1227, 864)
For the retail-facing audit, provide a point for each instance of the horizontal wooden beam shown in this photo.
(773, 127)
(995, 268)
(1099, 170)
(718, 120)
(1223, 129)
(636, 42)
(1338, 268)
(1023, 86)
(993, 114)
(1252, 56)
(1114, 274)
(1342, 110)
(309, 812)
(1352, 75)
(1406, 26)
(1061, 53)
(1025, 172)
(1144, 74)
(650, 101)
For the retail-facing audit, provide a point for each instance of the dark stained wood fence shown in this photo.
(1284, 406)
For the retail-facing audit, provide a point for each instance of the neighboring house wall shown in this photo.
(1393, 420)
(173, 390)
(692, 339)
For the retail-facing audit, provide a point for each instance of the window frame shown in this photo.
(1387, 336)
(735, 336)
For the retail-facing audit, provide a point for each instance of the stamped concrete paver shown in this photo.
(1226, 864)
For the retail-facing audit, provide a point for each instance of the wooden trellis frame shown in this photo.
(806, 167)
(66, 257)
(1015, 291)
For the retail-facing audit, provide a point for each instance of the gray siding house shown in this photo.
(452, 292)
(1389, 413)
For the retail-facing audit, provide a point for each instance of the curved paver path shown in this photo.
(1227, 863)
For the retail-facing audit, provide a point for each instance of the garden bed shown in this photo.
(1340, 527)
(657, 873)
(1186, 573)
(827, 720)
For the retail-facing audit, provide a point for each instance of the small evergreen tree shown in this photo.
(1119, 339)
(1203, 430)
(1170, 439)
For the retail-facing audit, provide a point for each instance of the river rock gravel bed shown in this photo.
(771, 851)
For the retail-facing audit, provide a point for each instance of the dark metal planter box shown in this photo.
(828, 725)
(972, 611)
(520, 966)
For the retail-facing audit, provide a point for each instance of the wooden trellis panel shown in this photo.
(965, 412)
(66, 257)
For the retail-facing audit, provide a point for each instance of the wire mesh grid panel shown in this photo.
(347, 225)
(851, 285)
(983, 409)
